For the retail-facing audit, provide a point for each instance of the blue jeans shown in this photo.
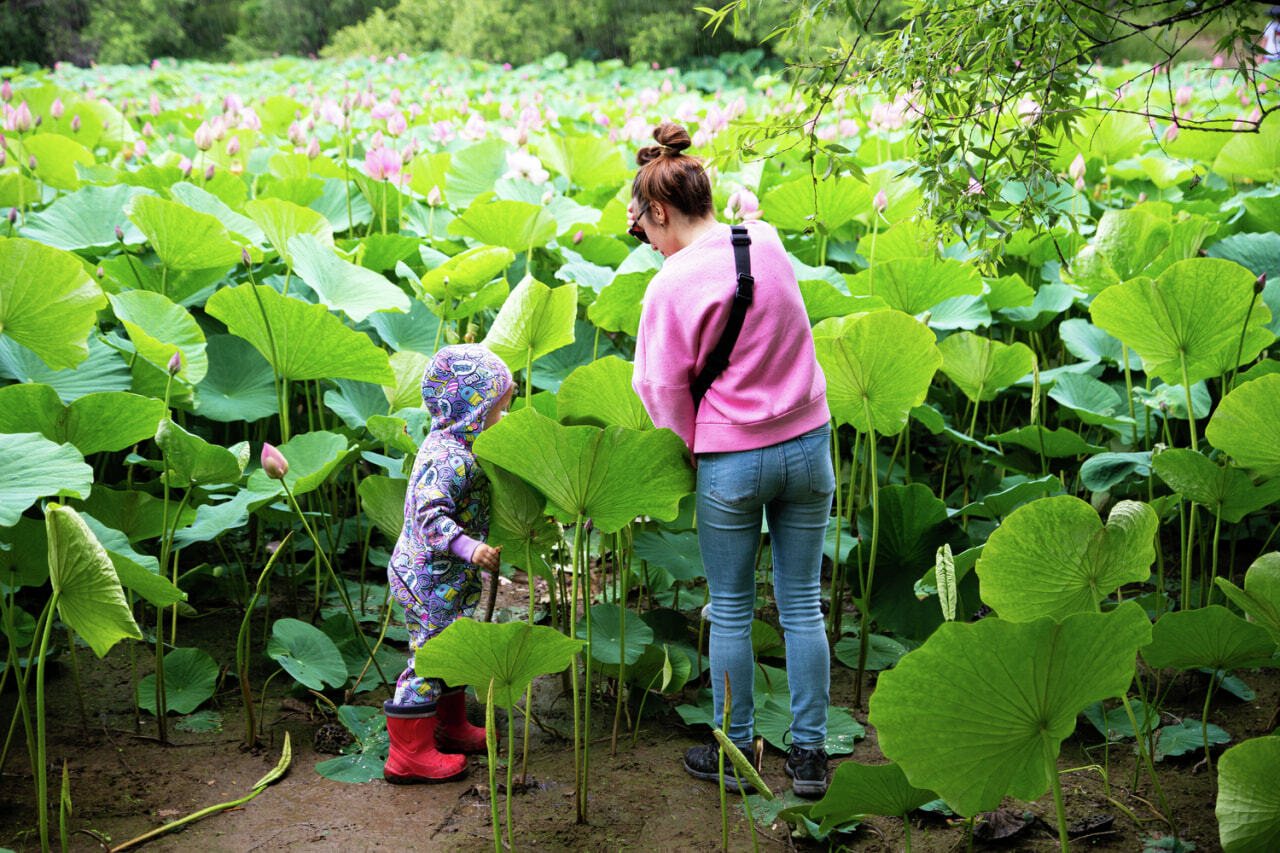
(791, 483)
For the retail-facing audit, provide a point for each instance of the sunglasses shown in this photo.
(635, 230)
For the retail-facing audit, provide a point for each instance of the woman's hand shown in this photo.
(487, 558)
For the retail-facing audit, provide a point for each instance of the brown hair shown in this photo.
(670, 176)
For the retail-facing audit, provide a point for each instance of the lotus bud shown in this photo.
(1142, 197)
(39, 120)
(434, 197)
(880, 202)
(274, 463)
(296, 134)
(1260, 284)
(31, 162)
(1183, 96)
(119, 234)
(1077, 168)
(13, 215)
(546, 198)
(184, 166)
(75, 123)
(175, 363)
(20, 119)
(313, 149)
(245, 257)
(6, 92)
(1079, 184)
(139, 148)
(203, 137)
(4, 155)
(233, 146)
(154, 105)
(577, 237)
(208, 172)
(148, 131)
(1171, 133)
(101, 273)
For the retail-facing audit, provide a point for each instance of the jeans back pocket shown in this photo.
(733, 478)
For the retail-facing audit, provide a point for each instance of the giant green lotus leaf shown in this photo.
(800, 204)
(190, 677)
(588, 161)
(190, 460)
(534, 320)
(406, 392)
(1193, 313)
(618, 307)
(979, 712)
(1110, 136)
(511, 654)
(206, 202)
(183, 238)
(858, 789)
(600, 393)
(86, 219)
(109, 420)
(307, 654)
(886, 359)
(981, 367)
(382, 499)
(609, 640)
(342, 285)
(90, 599)
(137, 572)
(33, 467)
(1253, 155)
(1050, 301)
(282, 220)
(1260, 254)
(1125, 244)
(415, 330)
(465, 273)
(1260, 598)
(1246, 425)
(474, 170)
(310, 343)
(1053, 443)
(103, 370)
(1212, 637)
(1248, 806)
(158, 328)
(313, 457)
(47, 301)
(239, 385)
(518, 519)
(56, 159)
(1089, 399)
(1086, 341)
(1226, 491)
(610, 475)
(517, 225)
(915, 285)
(1053, 557)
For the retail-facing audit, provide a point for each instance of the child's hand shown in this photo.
(487, 558)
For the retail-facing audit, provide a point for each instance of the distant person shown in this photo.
(434, 569)
(1270, 44)
(759, 432)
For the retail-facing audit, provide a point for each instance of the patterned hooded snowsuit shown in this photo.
(447, 498)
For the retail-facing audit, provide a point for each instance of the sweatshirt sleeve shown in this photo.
(666, 354)
(435, 500)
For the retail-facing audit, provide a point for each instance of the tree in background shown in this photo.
(43, 31)
(301, 27)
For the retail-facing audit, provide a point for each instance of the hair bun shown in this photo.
(672, 136)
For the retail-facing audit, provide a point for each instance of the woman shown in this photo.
(759, 437)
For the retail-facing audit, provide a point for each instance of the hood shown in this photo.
(461, 385)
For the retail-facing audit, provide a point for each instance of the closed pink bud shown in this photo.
(434, 197)
(1079, 184)
(175, 363)
(208, 172)
(274, 463)
(1171, 133)
(6, 91)
(56, 108)
(880, 202)
(1077, 168)
(1260, 284)
(203, 137)
(154, 105)
(233, 146)
(245, 257)
(184, 166)
(75, 123)
(577, 237)
(1183, 96)
(313, 149)
(148, 131)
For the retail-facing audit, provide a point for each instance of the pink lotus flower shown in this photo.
(233, 146)
(154, 105)
(203, 137)
(296, 134)
(382, 110)
(434, 197)
(148, 131)
(313, 149)
(1183, 96)
(1079, 184)
(382, 163)
(1077, 168)
(1218, 61)
(209, 172)
(974, 187)
(175, 363)
(1171, 133)
(139, 148)
(19, 119)
(6, 92)
(56, 108)
(880, 202)
(743, 205)
(577, 237)
(273, 462)
(396, 124)
(75, 123)
(232, 104)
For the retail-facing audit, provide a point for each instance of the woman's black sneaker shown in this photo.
(703, 762)
(808, 771)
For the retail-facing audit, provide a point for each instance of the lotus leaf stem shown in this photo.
(864, 615)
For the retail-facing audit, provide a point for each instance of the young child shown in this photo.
(433, 570)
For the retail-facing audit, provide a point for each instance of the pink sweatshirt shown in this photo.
(773, 388)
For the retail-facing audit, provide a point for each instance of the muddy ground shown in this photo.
(124, 783)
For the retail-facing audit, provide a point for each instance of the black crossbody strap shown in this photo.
(718, 360)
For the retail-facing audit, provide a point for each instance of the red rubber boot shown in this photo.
(453, 732)
(414, 756)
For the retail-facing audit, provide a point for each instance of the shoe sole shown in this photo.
(450, 747)
(806, 787)
(730, 783)
(423, 780)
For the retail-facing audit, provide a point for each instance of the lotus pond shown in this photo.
(1053, 574)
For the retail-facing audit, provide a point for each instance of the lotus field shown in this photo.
(1058, 458)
